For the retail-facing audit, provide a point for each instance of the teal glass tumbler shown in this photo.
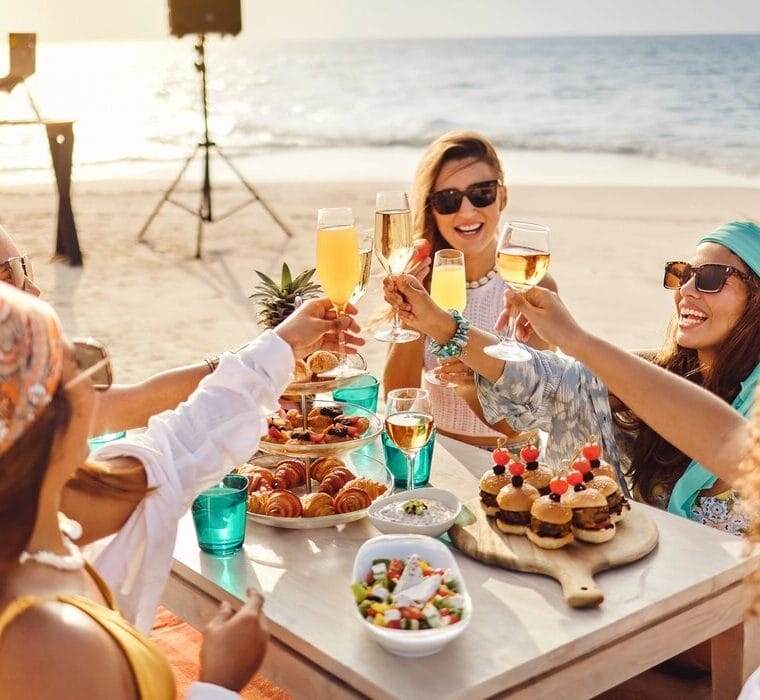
(362, 392)
(395, 460)
(219, 515)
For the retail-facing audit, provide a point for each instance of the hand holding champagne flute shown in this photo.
(338, 269)
(522, 259)
(448, 288)
(409, 423)
(394, 248)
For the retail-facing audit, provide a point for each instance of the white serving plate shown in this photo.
(361, 465)
(310, 449)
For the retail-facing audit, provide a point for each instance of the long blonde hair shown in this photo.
(455, 145)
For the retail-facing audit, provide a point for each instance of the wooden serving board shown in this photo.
(573, 566)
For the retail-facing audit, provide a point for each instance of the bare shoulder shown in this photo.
(43, 653)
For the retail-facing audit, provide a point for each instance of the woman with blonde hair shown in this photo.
(459, 195)
(62, 633)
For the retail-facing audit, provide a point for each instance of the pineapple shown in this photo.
(275, 302)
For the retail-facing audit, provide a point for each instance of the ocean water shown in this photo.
(687, 100)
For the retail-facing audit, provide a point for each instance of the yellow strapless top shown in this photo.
(152, 673)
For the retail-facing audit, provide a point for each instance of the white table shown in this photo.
(523, 641)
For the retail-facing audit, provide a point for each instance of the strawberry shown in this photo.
(422, 249)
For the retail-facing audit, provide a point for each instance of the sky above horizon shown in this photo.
(76, 20)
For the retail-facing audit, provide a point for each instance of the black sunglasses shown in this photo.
(709, 278)
(94, 362)
(16, 270)
(480, 194)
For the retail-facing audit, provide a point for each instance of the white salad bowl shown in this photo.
(411, 643)
(434, 529)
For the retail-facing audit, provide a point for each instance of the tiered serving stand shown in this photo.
(360, 464)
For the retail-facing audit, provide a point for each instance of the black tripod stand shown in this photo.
(204, 212)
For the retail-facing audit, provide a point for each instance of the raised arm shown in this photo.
(697, 422)
(126, 406)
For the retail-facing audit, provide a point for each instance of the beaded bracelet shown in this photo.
(455, 346)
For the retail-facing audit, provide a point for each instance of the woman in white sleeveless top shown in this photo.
(459, 194)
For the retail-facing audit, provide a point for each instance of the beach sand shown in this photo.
(156, 306)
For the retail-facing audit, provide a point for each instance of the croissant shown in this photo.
(258, 477)
(257, 502)
(283, 504)
(317, 504)
(373, 488)
(289, 473)
(320, 467)
(335, 480)
(351, 499)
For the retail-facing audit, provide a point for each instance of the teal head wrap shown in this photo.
(742, 238)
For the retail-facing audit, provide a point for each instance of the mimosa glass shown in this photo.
(522, 259)
(394, 247)
(338, 269)
(448, 288)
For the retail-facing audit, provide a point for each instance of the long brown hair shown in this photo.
(23, 467)
(654, 460)
(455, 145)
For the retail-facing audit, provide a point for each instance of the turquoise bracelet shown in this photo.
(455, 346)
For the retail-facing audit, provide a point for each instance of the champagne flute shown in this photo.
(522, 259)
(338, 269)
(394, 248)
(366, 238)
(448, 288)
(409, 424)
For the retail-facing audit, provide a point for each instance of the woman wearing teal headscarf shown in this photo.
(714, 341)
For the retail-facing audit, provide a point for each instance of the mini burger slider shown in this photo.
(609, 488)
(515, 501)
(551, 520)
(591, 514)
(537, 475)
(490, 484)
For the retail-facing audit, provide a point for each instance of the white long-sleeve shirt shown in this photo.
(185, 451)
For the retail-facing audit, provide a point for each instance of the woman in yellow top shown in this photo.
(60, 633)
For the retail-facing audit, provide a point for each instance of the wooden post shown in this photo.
(61, 140)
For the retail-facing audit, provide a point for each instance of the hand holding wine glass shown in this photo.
(394, 247)
(409, 424)
(338, 269)
(522, 259)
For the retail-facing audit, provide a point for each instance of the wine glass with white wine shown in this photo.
(394, 248)
(409, 424)
(448, 288)
(522, 259)
(338, 269)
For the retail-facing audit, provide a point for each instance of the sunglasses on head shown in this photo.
(94, 362)
(480, 194)
(709, 278)
(16, 270)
